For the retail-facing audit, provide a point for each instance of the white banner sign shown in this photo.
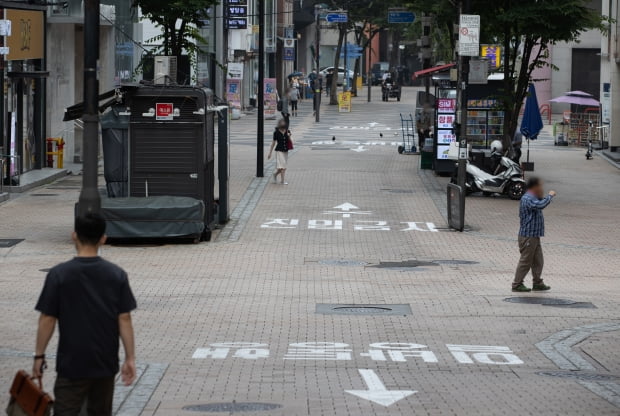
(469, 35)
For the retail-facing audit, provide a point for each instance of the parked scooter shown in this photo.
(507, 180)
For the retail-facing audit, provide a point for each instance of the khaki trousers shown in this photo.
(531, 258)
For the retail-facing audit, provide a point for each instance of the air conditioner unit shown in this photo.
(165, 70)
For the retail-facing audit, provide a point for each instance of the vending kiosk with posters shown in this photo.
(444, 129)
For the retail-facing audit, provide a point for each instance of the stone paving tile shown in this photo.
(264, 287)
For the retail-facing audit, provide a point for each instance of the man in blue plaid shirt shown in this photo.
(532, 229)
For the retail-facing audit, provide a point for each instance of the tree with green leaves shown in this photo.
(179, 21)
(526, 29)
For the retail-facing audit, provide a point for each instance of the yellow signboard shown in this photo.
(493, 53)
(27, 34)
(344, 102)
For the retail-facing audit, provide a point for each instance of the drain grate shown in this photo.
(232, 407)
(562, 303)
(579, 376)
(361, 309)
(346, 263)
(407, 264)
(454, 262)
(10, 242)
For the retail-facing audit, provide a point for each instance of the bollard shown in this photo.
(59, 153)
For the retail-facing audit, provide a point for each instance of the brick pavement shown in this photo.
(262, 287)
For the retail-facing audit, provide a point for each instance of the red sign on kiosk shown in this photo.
(446, 105)
(164, 111)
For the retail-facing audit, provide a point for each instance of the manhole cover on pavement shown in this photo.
(454, 262)
(540, 301)
(579, 376)
(558, 303)
(407, 264)
(353, 309)
(232, 407)
(348, 263)
(9, 242)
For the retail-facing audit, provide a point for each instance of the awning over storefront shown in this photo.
(431, 71)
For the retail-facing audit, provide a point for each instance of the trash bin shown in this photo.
(426, 155)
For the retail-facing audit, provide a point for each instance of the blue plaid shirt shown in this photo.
(530, 212)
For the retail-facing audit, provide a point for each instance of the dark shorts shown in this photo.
(95, 394)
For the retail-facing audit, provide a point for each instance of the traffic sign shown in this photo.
(400, 16)
(337, 17)
(469, 35)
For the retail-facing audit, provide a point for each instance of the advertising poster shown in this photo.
(344, 102)
(443, 152)
(445, 137)
(233, 92)
(235, 70)
(271, 98)
(445, 121)
(446, 105)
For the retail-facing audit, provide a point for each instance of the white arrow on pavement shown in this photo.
(359, 149)
(373, 124)
(377, 392)
(346, 207)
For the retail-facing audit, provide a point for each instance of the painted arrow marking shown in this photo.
(377, 392)
(359, 149)
(346, 207)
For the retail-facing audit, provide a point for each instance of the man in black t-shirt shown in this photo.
(91, 300)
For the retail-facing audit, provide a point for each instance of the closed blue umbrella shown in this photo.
(532, 122)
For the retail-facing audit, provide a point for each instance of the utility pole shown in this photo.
(463, 78)
(369, 69)
(316, 87)
(426, 54)
(89, 200)
(260, 136)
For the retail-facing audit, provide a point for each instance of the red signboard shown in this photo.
(446, 105)
(164, 111)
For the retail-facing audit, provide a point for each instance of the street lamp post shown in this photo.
(89, 200)
(260, 134)
(316, 84)
(463, 72)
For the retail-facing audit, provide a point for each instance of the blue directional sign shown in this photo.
(400, 16)
(337, 17)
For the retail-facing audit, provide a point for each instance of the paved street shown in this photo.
(344, 293)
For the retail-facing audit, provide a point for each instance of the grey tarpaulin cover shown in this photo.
(153, 217)
(114, 137)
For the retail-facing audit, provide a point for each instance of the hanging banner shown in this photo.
(271, 98)
(493, 53)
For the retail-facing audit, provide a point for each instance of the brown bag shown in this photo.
(28, 397)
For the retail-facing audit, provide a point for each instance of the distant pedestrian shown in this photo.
(293, 96)
(283, 105)
(424, 120)
(91, 300)
(517, 142)
(531, 230)
(282, 142)
(328, 81)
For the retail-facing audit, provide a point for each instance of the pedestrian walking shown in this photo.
(91, 301)
(531, 230)
(282, 143)
(293, 96)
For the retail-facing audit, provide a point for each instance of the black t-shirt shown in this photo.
(280, 139)
(86, 295)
